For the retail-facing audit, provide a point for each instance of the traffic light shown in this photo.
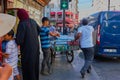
(64, 4)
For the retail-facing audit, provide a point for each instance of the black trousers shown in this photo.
(30, 67)
(88, 56)
(46, 59)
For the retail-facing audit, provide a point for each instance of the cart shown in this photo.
(65, 44)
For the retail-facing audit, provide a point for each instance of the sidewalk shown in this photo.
(65, 71)
(77, 65)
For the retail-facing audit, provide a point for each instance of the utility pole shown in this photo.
(64, 21)
(108, 5)
(64, 6)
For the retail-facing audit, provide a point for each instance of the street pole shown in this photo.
(64, 22)
(108, 5)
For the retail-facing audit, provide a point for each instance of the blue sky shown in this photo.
(84, 4)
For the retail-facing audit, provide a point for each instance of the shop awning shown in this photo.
(68, 13)
(59, 13)
(43, 2)
(52, 13)
(68, 25)
(68, 20)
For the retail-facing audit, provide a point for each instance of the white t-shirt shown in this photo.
(86, 39)
(12, 50)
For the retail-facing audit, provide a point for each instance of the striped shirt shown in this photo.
(12, 50)
(44, 36)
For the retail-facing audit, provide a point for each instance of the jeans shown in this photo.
(46, 59)
(89, 56)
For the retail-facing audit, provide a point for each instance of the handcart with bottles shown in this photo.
(66, 44)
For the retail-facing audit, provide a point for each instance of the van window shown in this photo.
(111, 16)
(93, 19)
(111, 27)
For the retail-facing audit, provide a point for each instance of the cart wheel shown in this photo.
(69, 56)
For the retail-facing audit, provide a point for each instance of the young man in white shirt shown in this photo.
(85, 35)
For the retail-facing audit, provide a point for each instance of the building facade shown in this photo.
(35, 10)
(102, 5)
(55, 14)
(34, 7)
